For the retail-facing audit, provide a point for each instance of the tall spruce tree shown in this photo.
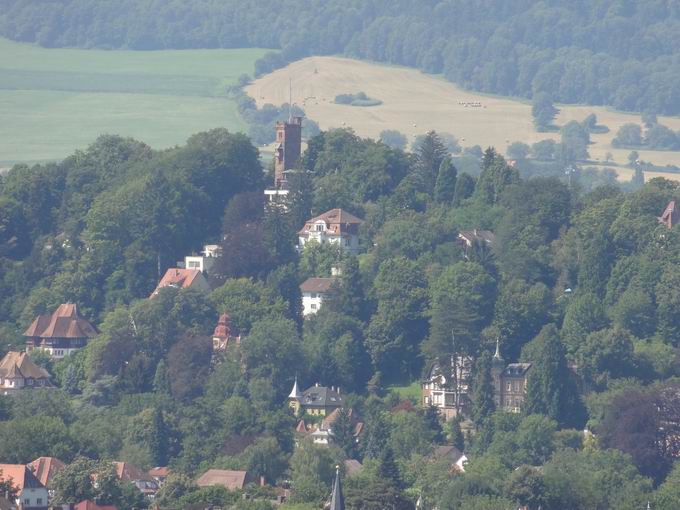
(445, 187)
(465, 188)
(551, 390)
(483, 404)
(387, 467)
(431, 152)
(343, 433)
(347, 297)
(159, 438)
(496, 176)
(161, 381)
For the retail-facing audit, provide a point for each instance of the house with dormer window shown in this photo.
(334, 227)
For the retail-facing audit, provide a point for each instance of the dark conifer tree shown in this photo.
(551, 390)
(483, 404)
(465, 188)
(343, 433)
(445, 187)
(387, 467)
(432, 419)
(431, 152)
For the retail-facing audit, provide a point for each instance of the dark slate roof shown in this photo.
(516, 369)
(320, 396)
(449, 452)
(337, 499)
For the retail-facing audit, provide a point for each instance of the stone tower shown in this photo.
(287, 149)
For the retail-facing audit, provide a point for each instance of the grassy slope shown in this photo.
(53, 101)
(414, 102)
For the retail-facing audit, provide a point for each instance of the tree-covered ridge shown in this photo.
(619, 53)
(580, 282)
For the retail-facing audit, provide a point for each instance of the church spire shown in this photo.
(337, 499)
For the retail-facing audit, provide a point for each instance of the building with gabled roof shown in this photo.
(18, 372)
(452, 397)
(31, 495)
(469, 239)
(179, 278)
(45, 468)
(317, 400)
(509, 381)
(457, 459)
(336, 226)
(61, 333)
(127, 472)
(313, 291)
(670, 215)
(91, 505)
(229, 479)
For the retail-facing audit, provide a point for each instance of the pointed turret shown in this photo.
(295, 392)
(337, 499)
(497, 358)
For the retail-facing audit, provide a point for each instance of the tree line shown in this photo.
(613, 53)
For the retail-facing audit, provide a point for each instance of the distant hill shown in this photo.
(621, 53)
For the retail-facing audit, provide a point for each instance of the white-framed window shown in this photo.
(508, 386)
(319, 228)
(314, 306)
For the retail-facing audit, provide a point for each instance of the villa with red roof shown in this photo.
(179, 278)
(336, 227)
(61, 333)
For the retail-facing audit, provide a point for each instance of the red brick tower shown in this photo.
(287, 149)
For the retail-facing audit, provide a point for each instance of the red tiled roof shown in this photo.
(231, 480)
(65, 322)
(224, 329)
(179, 278)
(20, 476)
(317, 284)
(19, 365)
(130, 473)
(159, 472)
(89, 505)
(44, 468)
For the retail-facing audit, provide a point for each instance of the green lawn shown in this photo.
(411, 392)
(53, 101)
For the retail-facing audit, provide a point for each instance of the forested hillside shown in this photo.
(582, 284)
(620, 53)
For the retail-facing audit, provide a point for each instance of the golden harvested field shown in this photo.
(414, 103)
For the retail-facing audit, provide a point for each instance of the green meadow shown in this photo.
(53, 101)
